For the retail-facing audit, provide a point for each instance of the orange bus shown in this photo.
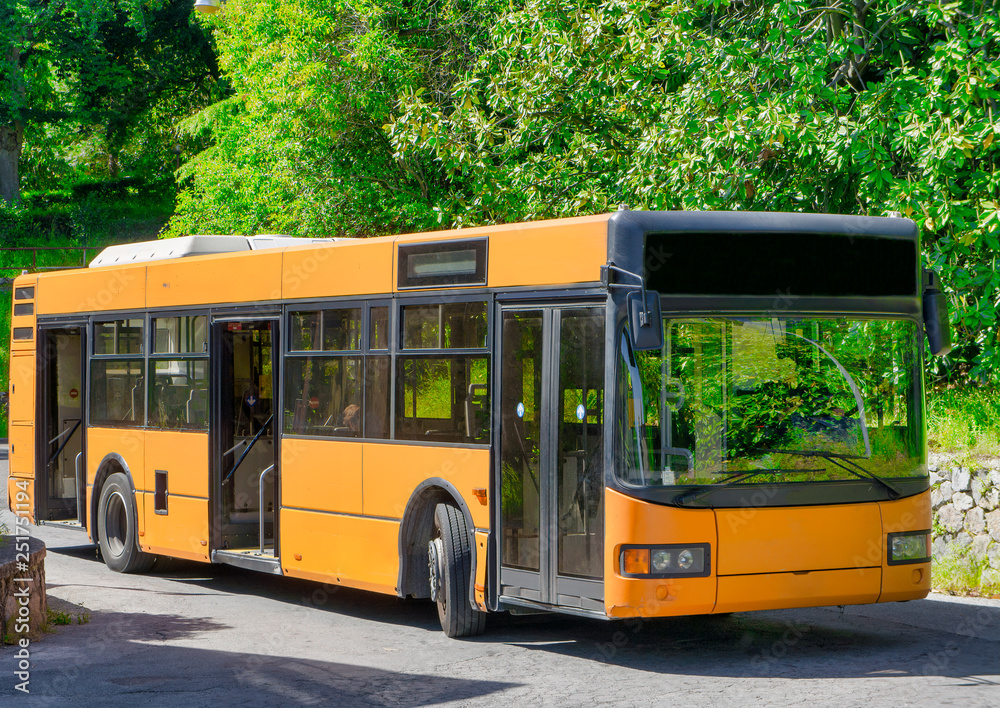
(630, 414)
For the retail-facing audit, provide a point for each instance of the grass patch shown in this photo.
(58, 617)
(964, 421)
(960, 572)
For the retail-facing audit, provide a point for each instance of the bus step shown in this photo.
(249, 558)
(63, 524)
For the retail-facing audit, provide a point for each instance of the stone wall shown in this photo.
(966, 502)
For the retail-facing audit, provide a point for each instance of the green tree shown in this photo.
(798, 105)
(96, 65)
(363, 118)
(300, 145)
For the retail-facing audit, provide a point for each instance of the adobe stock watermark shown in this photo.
(23, 592)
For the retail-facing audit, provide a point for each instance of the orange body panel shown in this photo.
(22, 450)
(125, 442)
(910, 581)
(21, 497)
(347, 550)
(128, 443)
(22, 387)
(183, 455)
(321, 474)
(92, 290)
(482, 541)
(521, 258)
(630, 520)
(338, 269)
(392, 472)
(770, 591)
(180, 533)
(776, 540)
(230, 277)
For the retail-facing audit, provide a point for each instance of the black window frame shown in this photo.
(362, 353)
(151, 363)
(139, 421)
(321, 309)
(400, 355)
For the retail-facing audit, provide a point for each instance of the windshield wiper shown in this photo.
(846, 463)
(703, 490)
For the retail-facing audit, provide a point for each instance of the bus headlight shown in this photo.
(661, 561)
(674, 561)
(909, 547)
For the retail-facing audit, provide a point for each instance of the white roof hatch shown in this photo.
(184, 246)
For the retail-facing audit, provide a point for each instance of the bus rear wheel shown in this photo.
(450, 566)
(118, 529)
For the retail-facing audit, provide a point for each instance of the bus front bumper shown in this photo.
(767, 558)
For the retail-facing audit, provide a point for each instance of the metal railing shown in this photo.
(82, 263)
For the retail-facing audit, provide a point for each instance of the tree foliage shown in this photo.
(859, 108)
(300, 145)
(353, 117)
(105, 70)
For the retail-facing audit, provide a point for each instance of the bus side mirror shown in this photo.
(936, 321)
(645, 321)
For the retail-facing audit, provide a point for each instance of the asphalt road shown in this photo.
(195, 635)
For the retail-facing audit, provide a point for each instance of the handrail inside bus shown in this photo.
(81, 491)
(249, 447)
(69, 435)
(262, 476)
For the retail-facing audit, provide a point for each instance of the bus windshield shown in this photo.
(751, 400)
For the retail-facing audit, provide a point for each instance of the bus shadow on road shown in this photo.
(817, 643)
(118, 654)
(419, 614)
(811, 642)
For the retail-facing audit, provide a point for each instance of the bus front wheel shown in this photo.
(450, 566)
(118, 530)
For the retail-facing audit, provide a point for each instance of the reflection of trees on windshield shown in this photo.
(724, 395)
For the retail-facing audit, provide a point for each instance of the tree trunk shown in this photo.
(11, 140)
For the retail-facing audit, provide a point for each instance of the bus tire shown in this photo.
(450, 565)
(118, 529)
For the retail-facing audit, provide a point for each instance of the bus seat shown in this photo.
(195, 406)
(476, 403)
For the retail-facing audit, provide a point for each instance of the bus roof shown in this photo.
(185, 246)
(222, 270)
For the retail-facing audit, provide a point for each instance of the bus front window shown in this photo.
(743, 400)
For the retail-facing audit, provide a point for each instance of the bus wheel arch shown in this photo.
(115, 518)
(112, 463)
(416, 530)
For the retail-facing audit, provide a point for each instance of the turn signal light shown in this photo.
(635, 561)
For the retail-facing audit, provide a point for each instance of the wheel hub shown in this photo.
(435, 559)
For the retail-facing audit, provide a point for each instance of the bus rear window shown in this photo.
(442, 263)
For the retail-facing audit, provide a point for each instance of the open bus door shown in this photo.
(60, 485)
(245, 454)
